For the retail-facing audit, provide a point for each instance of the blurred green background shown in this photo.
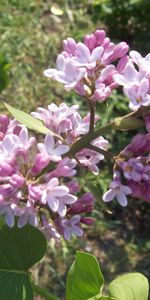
(31, 37)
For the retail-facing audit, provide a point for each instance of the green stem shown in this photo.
(41, 292)
(92, 116)
(85, 141)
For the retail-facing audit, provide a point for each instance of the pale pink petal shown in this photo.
(69, 199)
(23, 220)
(97, 53)
(49, 143)
(50, 72)
(135, 56)
(62, 209)
(60, 62)
(60, 150)
(122, 199)
(52, 202)
(67, 233)
(109, 195)
(77, 230)
(126, 189)
(23, 135)
(75, 219)
(60, 191)
(83, 53)
(143, 87)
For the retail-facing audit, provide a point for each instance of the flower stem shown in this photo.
(85, 140)
(41, 292)
(92, 116)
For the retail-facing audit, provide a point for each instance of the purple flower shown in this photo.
(57, 197)
(72, 227)
(84, 58)
(132, 169)
(135, 86)
(118, 191)
(8, 210)
(50, 150)
(27, 214)
(66, 72)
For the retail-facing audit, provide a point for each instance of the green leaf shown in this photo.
(29, 121)
(132, 286)
(100, 297)
(20, 249)
(124, 123)
(84, 279)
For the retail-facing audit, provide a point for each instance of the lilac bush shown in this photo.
(39, 174)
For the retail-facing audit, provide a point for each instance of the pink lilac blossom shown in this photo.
(117, 191)
(72, 227)
(133, 164)
(87, 66)
(27, 190)
(135, 80)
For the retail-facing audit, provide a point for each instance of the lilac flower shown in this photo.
(8, 211)
(132, 169)
(27, 214)
(142, 62)
(135, 86)
(90, 160)
(84, 58)
(50, 150)
(72, 227)
(66, 72)
(23, 141)
(49, 229)
(57, 197)
(118, 191)
(65, 168)
(70, 46)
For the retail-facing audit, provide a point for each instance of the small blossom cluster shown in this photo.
(133, 168)
(88, 67)
(38, 182)
(135, 79)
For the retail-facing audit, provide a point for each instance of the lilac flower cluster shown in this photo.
(38, 178)
(133, 168)
(135, 80)
(49, 198)
(88, 67)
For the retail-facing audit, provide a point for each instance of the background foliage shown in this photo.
(31, 36)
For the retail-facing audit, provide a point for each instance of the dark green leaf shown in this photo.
(29, 121)
(20, 249)
(84, 279)
(132, 286)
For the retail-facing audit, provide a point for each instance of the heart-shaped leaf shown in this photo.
(132, 286)
(29, 121)
(84, 279)
(20, 249)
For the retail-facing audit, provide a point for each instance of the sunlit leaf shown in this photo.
(29, 121)
(84, 279)
(132, 286)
